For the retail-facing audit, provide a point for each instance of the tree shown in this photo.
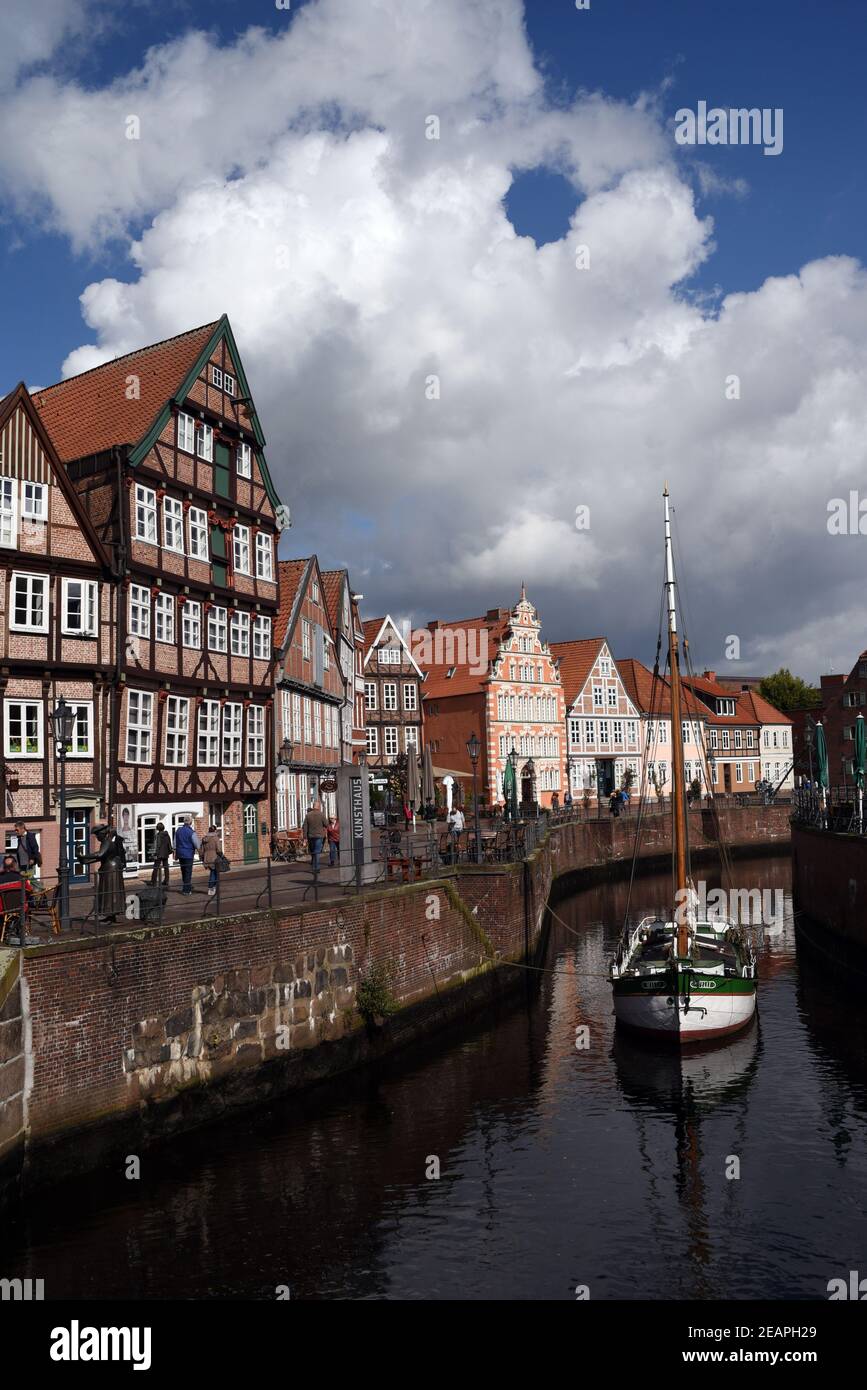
(787, 692)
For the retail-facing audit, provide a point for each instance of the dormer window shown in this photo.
(725, 707)
(450, 672)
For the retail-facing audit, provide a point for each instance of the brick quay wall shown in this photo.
(829, 879)
(117, 1041)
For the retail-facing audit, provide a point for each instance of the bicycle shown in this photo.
(284, 852)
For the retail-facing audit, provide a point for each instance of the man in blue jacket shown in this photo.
(187, 843)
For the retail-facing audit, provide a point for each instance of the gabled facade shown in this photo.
(653, 703)
(392, 693)
(602, 724)
(342, 614)
(166, 453)
(58, 638)
(496, 676)
(359, 715)
(311, 695)
(747, 738)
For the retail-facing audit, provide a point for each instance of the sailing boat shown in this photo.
(682, 979)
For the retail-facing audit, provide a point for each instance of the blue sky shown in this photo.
(284, 177)
(809, 202)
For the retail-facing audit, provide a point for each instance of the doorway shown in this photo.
(78, 843)
(727, 777)
(251, 833)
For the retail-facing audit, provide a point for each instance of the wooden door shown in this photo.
(251, 833)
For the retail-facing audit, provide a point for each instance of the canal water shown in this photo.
(610, 1166)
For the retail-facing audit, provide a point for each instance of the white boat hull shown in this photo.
(710, 1015)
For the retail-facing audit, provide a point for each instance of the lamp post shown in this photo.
(809, 739)
(474, 748)
(62, 722)
(513, 763)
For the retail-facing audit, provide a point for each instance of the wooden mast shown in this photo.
(681, 915)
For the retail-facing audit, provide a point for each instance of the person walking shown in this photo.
(162, 851)
(27, 850)
(313, 830)
(187, 842)
(210, 853)
(111, 857)
(333, 836)
(614, 804)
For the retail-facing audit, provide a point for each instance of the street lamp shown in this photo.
(285, 752)
(474, 748)
(62, 721)
(513, 763)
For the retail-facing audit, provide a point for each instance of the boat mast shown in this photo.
(681, 915)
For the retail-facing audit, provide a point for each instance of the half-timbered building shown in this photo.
(311, 695)
(57, 639)
(392, 693)
(166, 452)
(603, 726)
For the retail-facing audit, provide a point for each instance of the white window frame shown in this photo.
(173, 525)
(233, 728)
(305, 639)
(389, 696)
(217, 377)
(197, 522)
(30, 582)
(205, 442)
(256, 736)
(40, 491)
(24, 706)
(85, 708)
(9, 513)
(191, 625)
(177, 731)
(218, 629)
(146, 528)
(244, 461)
(239, 634)
(410, 696)
(138, 750)
(391, 740)
(140, 601)
(264, 556)
(241, 549)
(164, 619)
(89, 608)
(261, 638)
(370, 701)
(410, 736)
(186, 436)
(371, 735)
(208, 734)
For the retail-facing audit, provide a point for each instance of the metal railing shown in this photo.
(835, 811)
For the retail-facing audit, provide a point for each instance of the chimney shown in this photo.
(710, 675)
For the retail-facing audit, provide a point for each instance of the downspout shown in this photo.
(120, 567)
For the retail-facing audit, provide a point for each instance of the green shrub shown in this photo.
(373, 997)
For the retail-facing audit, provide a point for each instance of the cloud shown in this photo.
(417, 363)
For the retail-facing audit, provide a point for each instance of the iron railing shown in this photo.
(835, 811)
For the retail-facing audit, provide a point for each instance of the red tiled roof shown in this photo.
(289, 576)
(577, 659)
(638, 680)
(750, 706)
(89, 413)
(331, 586)
(466, 680)
(371, 631)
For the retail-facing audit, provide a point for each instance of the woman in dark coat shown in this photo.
(110, 897)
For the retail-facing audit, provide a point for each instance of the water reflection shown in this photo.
(560, 1166)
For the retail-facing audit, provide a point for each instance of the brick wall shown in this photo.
(170, 1025)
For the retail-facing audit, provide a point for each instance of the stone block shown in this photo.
(303, 989)
(179, 1023)
(284, 973)
(321, 981)
(249, 1054)
(247, 1028)
(12, 1003)
(10, 1039)
(260, 975)
(302, 1036)
(12, 1077)
(300, 1012)
(345, 998)
(339, 976)
(11, 1117)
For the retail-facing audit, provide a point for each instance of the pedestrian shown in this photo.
(161, 851)
(407, 816)
(567, 800)
(333, 835)
(210, 857)
(187, 842)
(111, 857)
(555, 803)
(313, 830)
(614, 804)
(27, 850)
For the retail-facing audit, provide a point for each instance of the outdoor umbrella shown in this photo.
(822, 759)
(413, 788)
(427, 777)
(860, 759)
(510, 791)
